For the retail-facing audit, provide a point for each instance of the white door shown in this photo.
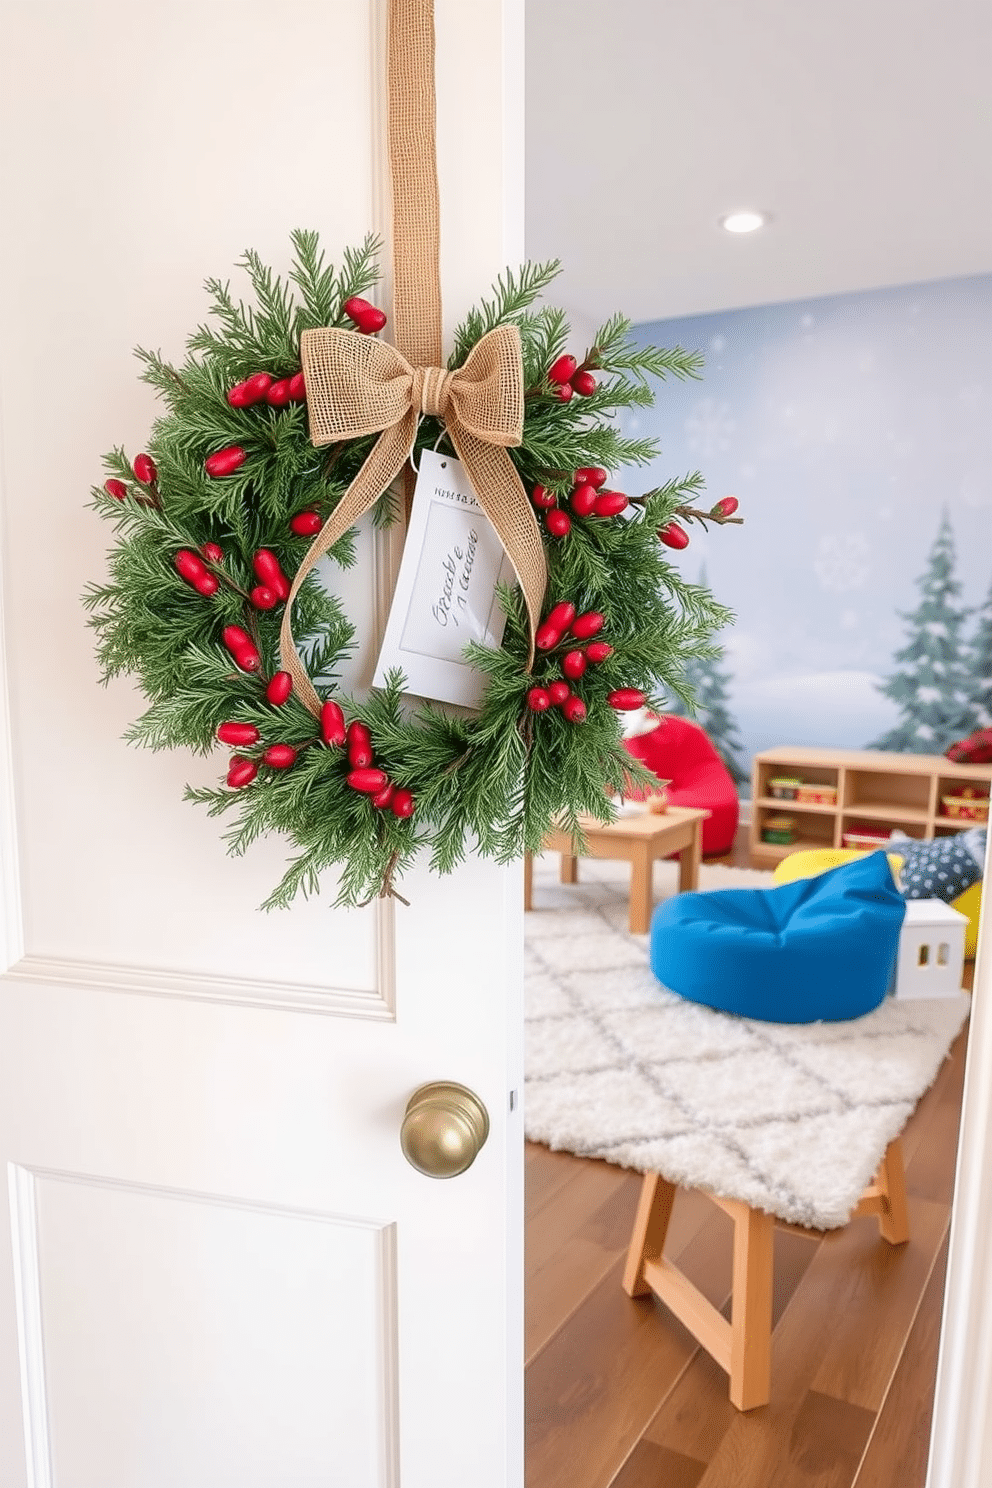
(216, 1268)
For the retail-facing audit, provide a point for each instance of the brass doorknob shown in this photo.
(444, 1129)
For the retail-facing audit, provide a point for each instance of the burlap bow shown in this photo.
(358, 386)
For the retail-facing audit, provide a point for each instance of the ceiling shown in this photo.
(863, 126)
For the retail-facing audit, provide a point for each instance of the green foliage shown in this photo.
(931, 683)
(492, 782)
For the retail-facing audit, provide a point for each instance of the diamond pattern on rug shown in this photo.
(792, 1118)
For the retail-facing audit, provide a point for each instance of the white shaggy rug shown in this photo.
(793, 1119)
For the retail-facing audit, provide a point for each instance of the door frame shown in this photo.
(961, 1439)
(11, 922)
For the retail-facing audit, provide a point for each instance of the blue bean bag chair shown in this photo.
(818, 948)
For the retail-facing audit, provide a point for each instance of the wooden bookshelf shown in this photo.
(888, 792)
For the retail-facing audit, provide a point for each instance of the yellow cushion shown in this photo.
(970, 903)
(814, 860)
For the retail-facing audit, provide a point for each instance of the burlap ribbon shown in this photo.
(358, 386)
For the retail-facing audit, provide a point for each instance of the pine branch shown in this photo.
(513, 293)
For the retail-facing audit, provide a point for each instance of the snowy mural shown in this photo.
(856, 431)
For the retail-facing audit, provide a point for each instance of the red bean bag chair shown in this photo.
(975, 750)
(678, 750)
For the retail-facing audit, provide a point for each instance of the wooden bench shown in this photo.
(743, 1347)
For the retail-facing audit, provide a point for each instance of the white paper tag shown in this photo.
(446, 590)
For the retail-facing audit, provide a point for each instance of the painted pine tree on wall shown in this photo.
(932, 686)
(709, 683)
(978, 660)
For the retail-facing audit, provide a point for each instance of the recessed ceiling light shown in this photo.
(743, 222)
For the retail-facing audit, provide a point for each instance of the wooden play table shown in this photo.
(637, 840)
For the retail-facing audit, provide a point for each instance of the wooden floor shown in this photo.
(619, 1395)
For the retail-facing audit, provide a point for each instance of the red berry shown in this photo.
(558, 692)
(561, 616)
(674, 536)
(610, 503)
(190, 568)
(213, 552)
(543, 498)
(236, 639)
(367, 317)
(589, 624)
(358, 733)
(279, 688)
(402, 803)
(561, 371)
(360, 754)
(538, 700)
(356, 307)
(369, 782)
(591, 475)
(584, 383)
(115, 488)
(252, 390)
(574, 709)
(241, 771)
(583, 500)
(280, 756)
(373, 320)
(598, 652)
(297, 389)
(332, 729)
(725, 507)
(546, 636)
(306, 524)
(264, 598)
(573, 664)
(144, 469)
(225, 462)
(268, 572)
(385, 796)
(626, 698)
(564, 393)
(278, 394)
(242, 648)
(558, 523)
(238, 733)
(188, 565)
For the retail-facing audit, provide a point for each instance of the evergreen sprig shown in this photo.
(492, 782)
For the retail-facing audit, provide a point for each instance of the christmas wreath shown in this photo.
(217, 528)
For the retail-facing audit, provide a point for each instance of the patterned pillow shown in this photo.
(943, 867)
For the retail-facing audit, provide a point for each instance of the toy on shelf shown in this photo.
(967, 805)
(779, 829)
(817, 795)
(784, 787)
(864, 839)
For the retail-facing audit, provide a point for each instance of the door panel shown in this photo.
(105, 1267)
